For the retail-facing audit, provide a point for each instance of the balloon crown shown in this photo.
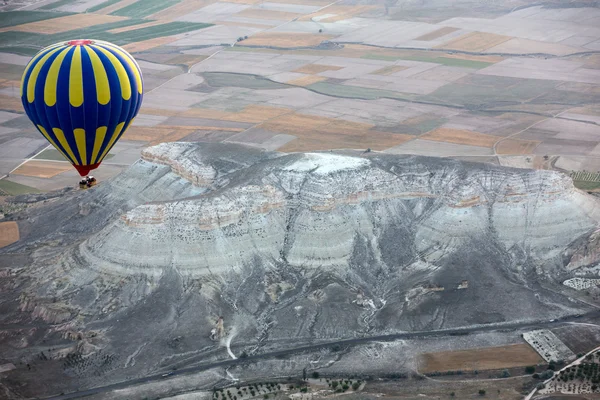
(80, 42)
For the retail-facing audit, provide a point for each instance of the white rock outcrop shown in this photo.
(308, 209)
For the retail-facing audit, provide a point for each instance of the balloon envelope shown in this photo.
(82, 95)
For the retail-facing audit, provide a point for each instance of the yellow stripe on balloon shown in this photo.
(52, 78)
(76, 79)
(102, 86)
(35, 73)
(52, 142)
(32, 63)
(80, 140)
(63, 141)
(121, 73)
(100, 134)
(134, 67)
(114, 137)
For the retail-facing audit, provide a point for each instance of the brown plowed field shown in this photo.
(460, 136)
(517, 355)
(9, 233)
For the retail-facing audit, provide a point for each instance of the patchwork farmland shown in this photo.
(309, 75)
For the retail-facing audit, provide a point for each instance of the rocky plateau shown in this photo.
(130, 277)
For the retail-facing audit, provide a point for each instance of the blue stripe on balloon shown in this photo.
(116, 100)
(47, 118)
(133, 101)
(90, 104)
(62, 106)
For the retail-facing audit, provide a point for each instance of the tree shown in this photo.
(315, 375)
(547, 374)
(355, 386)
(505, 373)
(530, 369)
(345, 387)
(244, 354)
(334, 384)
(481, 392)
(452, 394)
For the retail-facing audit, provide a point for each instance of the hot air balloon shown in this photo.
(82, 95)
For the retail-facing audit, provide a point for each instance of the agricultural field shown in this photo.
(489, 83)
(9, 233)
(579, 338)
(581, 377)
(491, 358)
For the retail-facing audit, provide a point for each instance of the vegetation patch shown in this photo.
(225, 79)
(13, 18)
(586, 185)
(151, 32)
(102, 5)
(451, 62)
(11, 188)
(20, 50)
(25, 40)
(355, 92)
(54, 5)
(584, 377)
(141, 9)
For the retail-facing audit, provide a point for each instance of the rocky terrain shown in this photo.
(132, 276)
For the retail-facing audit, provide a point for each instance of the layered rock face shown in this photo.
(310, 210)
(288, 249)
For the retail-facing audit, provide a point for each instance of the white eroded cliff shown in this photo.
(309, 209)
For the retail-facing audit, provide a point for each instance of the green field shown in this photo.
(457, 62)
(13, 189)
(20, 50)
(54, 5)
(102, 5)
(151, 32)
(473, 91)
(54, 155)
(245, 49)
(355, 92)
(19, 39)
(35, 41)
(226, 79)
(141, 9)
(586, 185)
(430, 124)
(12, 18)
(451, 62)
